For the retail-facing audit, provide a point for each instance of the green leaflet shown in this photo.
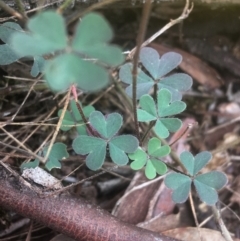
(206, 184)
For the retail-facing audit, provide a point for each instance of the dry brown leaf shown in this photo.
(190, 234)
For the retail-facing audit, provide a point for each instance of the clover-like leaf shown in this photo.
(180, 184)
(57, 153)
(42, 39)
(73, 118)
(206, 185)
(73, 61)
(165, 107)
(158, 69)
(107, 126)
(153, 165)
(94, 43)
(194, 165)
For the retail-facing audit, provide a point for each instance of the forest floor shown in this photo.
(209, 42)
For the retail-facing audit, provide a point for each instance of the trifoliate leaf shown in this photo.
(165, 107)
(57, 153)
(206, 184)
(158, 68)
(153, 166)
(107, 127)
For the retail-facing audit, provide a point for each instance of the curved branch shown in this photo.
(74, 217)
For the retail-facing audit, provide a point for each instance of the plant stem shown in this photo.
(84, 118)
(21, 8)
(64, 6)
(219, 220)
(174, 169)
(140, 38)
(58, 127)
(11, 11)
(181, 135)
(155, 89)
(74, 92)
(150, 126)
(186, 11)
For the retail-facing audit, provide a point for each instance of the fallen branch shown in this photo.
(74, 217)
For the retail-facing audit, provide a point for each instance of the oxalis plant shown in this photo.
(85, 62)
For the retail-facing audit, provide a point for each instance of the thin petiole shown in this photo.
(74, 92)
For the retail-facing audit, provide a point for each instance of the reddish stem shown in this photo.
(74, 217)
